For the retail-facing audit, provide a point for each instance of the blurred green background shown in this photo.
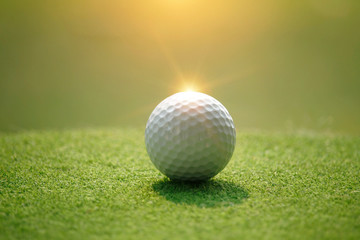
(273, 64)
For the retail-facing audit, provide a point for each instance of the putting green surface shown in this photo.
(100, 184)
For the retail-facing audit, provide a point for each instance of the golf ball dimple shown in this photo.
(190, 136)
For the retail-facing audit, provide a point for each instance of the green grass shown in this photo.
(100, 184)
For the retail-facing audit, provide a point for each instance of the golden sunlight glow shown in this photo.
(190, 84)
(190, 88)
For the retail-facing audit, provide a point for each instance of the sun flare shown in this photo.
(191, 84)
(190, 88)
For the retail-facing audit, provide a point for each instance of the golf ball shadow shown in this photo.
(212, 193)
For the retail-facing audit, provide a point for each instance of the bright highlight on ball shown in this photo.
(190, 136)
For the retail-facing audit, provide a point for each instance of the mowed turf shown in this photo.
(100, 184)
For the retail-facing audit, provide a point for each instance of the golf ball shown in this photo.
(190, 136)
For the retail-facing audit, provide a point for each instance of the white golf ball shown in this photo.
(190, 136)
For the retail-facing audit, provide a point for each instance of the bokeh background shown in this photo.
(274, 64)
